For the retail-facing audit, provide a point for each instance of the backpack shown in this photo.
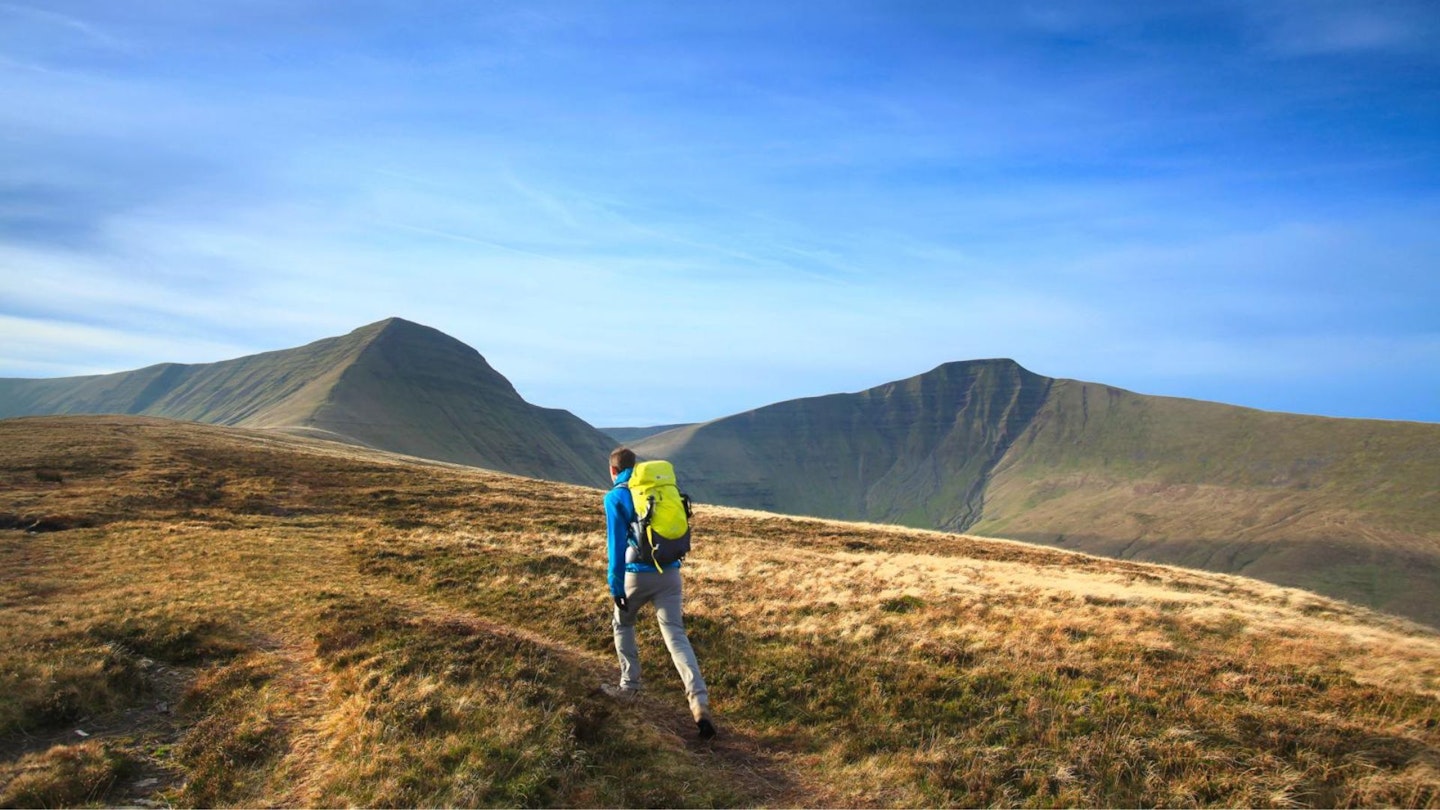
(663, 534)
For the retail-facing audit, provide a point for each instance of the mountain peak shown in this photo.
(396, 324)
(410, 348)
(998, 363)
(391, 328)
(961, 376)
(413, 386)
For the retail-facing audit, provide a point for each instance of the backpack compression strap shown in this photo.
(650, 533)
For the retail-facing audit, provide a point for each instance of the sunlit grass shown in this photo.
(331, 627)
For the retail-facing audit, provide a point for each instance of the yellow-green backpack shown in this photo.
(664, 513)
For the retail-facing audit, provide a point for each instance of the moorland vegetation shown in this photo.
(199, 615)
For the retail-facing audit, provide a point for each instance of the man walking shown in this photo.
(632, 585)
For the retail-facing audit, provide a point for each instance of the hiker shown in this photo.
(632, 585)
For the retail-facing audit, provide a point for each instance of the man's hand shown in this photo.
(620, 603)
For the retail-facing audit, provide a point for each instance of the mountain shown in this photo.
(1345, 507)
(393, 385)
(203, 616)
(913, 452)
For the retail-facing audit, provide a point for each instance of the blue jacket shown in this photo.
(620, 520)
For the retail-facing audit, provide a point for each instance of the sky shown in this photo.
(658, 212)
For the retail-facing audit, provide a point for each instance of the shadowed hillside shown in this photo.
(1346, 507)
(243, 617)
(392, 385)
(914, 452)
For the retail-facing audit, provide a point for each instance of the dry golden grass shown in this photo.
(245, 618)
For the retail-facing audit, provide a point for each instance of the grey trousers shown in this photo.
(665, 590)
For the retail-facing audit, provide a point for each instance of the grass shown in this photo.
(329, 626)
(66, 775)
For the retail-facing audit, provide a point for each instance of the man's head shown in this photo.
(622, 459)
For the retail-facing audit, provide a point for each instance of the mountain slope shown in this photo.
(418, 389)
(393, 385)
(913, 452)
(264, 390)
(635, 434)
(1350, 508)
(1347, 507)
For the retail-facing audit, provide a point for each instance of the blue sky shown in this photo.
(1234, 201)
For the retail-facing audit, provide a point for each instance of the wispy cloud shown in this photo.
(1323, 27)
(87, 32)
(47, 347)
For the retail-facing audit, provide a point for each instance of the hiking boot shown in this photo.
(706, 727)
(703, 721)
(621, 693)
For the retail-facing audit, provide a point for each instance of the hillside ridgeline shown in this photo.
(626, 435)
(393, 385)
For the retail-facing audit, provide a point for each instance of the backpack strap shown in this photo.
(630, 532)
(650, 533)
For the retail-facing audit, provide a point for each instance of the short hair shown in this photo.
(622, 458)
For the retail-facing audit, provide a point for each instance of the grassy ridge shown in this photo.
(1382, 468)
(1347, 507)
(393, 385)
(332, 626)
(263, 390)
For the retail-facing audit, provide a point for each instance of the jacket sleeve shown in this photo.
(617, 531)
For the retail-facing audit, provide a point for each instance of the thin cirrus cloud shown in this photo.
(1294, 28)
(1192, 200)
